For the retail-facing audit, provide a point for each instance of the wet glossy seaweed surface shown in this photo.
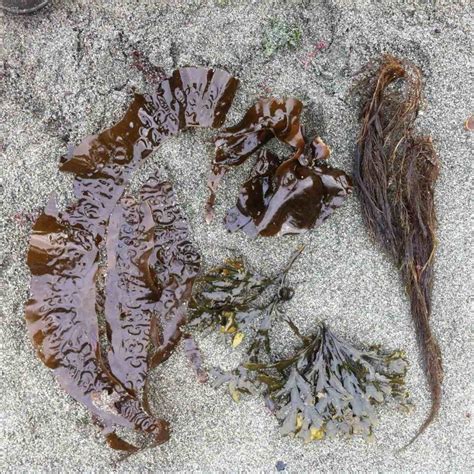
(281, 196)
(150, 261)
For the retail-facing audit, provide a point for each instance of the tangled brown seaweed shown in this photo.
(151, 262)
(395, 172)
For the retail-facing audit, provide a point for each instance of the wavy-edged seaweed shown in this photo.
(395, 173)
(281, 196)
(63, 257)
(62, 322)
(289, 197)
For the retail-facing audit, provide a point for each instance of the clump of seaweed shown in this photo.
(395, 173)
(327, 387)
(280, 197)
(227, 298)
(330, 387)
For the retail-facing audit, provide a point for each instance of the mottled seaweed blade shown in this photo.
(176, 262)
(103, 165)
(63, 325)
(130, 292)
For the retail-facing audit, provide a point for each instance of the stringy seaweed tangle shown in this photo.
(328, 387)
(395, 173)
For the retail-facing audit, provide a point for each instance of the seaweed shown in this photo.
(395, 172)
(176, 262)
(266, 119)
(327, 387)
(150, 274)
(281, 196)
(62, 322)
(276, 198)
(130, 292)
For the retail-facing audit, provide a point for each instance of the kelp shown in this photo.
(62, 322)
(266, 119)
(281, 196)
(130, 292)
(290, 197)
(176, 262)
(144, 306)
(395, 172)
(328, 387)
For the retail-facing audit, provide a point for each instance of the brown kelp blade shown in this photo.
(64, 250)
(395, 174)
(291, 197)
(267, 119)
(176, 262)
(130, 291)
(62, 323)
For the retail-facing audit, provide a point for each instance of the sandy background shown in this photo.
(67, 72)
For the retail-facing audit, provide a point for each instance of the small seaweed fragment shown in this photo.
(288, 198)
(193, 354)
(395, 173)
(329, 387)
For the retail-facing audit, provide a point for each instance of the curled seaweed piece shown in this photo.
(61, 311)
(266, 119)
(395, 174)
(289, 198)
(329, 387)
(176, 262)
(62, 323)
(279, 197)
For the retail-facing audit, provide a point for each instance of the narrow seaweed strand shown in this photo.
(395, 174)
(415, 207)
